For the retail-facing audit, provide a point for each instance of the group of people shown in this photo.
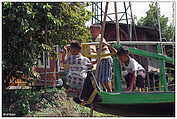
(77, 66)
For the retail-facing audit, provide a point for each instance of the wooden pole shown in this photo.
(126, 15)
(158, 20)
(132, 22)
(117, 24)
(103, 25)
(102, 35)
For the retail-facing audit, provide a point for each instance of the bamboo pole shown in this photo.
(117, 24)
(126, 15)
(102, 35)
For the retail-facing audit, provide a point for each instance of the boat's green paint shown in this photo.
(121, 97)
(163, 81)
(158, 56)
(137, 97)
(150, 54)
(117, 74)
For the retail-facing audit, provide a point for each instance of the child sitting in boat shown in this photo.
(77, 66)
(135, 75)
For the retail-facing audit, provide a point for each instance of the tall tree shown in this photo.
(30, 28)
(151, 20)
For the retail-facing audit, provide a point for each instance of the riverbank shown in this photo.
(46, 103)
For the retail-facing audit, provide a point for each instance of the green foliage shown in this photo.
(47, 102)
(27, 101)
(151, 20)
(23, 107)
(81, 109)
(31, 28)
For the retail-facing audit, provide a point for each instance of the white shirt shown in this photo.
(132, 66)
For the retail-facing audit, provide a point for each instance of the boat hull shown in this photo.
(137, 103)
(137, 110)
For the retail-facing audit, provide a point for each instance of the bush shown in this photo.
(32, 100)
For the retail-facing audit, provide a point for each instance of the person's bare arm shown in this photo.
(92, 50)
(66, 54)
(93, 62)
(66, 65)
(113, 50)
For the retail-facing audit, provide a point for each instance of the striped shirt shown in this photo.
(77, 72)
(78, 64)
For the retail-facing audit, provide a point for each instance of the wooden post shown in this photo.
(127, 19)
(117, 24)
(102, 35)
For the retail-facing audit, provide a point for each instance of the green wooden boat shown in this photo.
(137, 103)
(156, 103)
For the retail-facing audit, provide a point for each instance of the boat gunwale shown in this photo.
(137, 97)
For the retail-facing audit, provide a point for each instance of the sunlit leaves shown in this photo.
(30, 28)
(151, 20)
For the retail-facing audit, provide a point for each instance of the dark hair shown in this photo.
(75, 44)
(122, 51)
